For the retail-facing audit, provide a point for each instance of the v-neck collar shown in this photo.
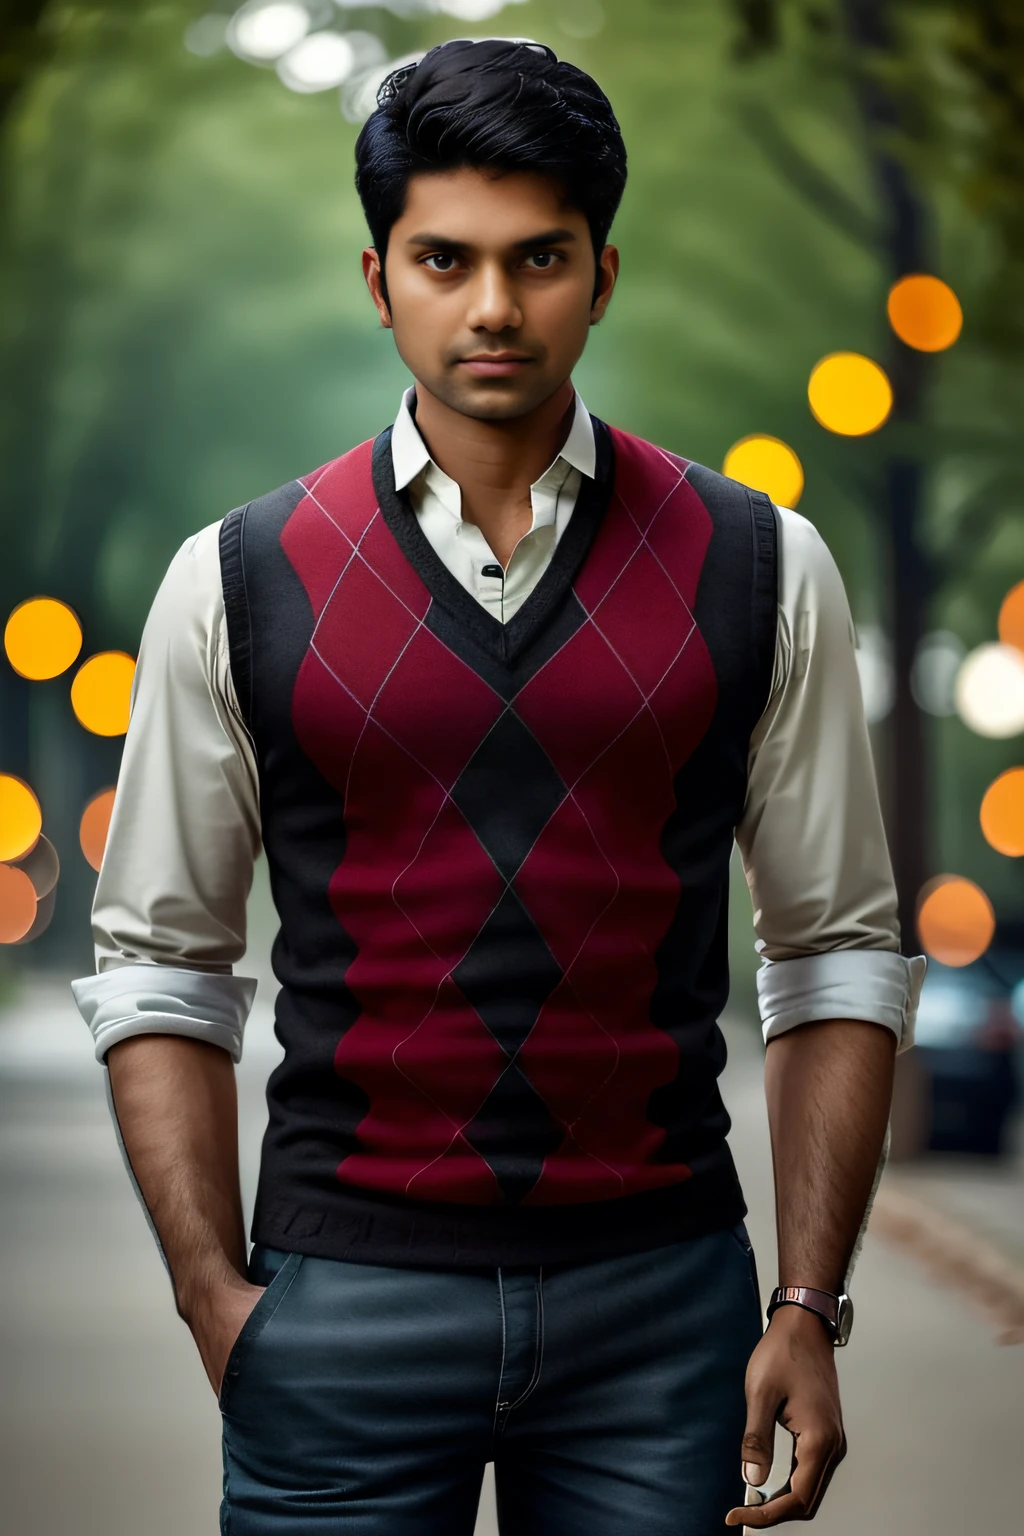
(503, 641)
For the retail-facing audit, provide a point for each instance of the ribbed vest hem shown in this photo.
(363, 1229)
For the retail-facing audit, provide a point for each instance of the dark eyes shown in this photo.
(445, 261)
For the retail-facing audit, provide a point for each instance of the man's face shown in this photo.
(490, 285)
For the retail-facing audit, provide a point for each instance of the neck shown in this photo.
(495, 463)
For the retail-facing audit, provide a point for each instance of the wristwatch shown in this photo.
(836, 1312)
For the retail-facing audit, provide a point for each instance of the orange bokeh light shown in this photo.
(1011, 617)
(94, 826)
(1002, 813)
(42, 638)
(924, 312)
(955, 920)
(21, 820)
(849, 394)
(17, 904)
(101, 693)
(766, 464)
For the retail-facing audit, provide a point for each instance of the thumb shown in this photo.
(758, 1443)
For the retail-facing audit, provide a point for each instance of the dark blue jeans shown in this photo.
(363, 1401)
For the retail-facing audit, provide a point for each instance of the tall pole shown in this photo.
(911, 576)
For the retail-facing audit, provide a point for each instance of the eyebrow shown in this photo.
(445, 243)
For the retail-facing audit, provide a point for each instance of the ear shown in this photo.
(374, 275)
(607, 276)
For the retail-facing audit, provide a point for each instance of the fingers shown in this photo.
(786, 1507)
(815, 1463)
(758, 1443)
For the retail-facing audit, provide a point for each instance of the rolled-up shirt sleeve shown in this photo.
(811, 836)
(170, 905)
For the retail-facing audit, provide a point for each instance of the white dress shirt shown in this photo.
(461, 545)
(169, 914)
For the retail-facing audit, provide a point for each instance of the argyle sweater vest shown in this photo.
(500, 858)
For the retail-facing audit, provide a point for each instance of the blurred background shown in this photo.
(823, 293)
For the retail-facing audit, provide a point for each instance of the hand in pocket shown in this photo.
(217, 1322)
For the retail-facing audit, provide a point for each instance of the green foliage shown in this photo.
(180, 231)
(951, 74)
(23, 47)
(960, 68)
(955, 69)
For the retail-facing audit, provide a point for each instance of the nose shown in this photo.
(493, 303)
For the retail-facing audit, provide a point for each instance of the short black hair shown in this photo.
(495, 105)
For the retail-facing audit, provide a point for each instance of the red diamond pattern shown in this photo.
(391, 717)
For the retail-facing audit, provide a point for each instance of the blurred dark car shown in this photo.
(969, 1036)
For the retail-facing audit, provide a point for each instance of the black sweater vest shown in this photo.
(500, 858)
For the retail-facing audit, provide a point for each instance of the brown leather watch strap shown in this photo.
(823, 1302)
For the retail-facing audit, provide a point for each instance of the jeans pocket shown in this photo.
(257, 1321)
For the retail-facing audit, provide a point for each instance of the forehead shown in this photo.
(484, 208)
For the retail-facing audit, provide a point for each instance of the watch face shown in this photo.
(844, 1322)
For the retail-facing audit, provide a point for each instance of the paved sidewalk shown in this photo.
(931, 1403)
(108, 1428)
(987, 1197)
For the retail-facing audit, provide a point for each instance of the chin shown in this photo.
(496, 410)
(492, 402)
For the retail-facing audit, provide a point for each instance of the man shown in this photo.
(495, 692)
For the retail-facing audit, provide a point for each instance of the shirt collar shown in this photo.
(410, 457)
(579, 449)
(408, 450)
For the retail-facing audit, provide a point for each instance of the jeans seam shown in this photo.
(225, 1507)
(538, 1355)
(504, 1341)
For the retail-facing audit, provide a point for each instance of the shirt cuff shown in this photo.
(871, 984)
(163, 1000)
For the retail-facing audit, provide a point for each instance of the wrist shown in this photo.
(831, 1312)
(200, 1293)
(799, 1321)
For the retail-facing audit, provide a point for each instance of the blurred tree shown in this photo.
(22, 50)
(169, 344)
(960, 69)
(22, 47)
(185, 325)
(947, 77)
(940, 89)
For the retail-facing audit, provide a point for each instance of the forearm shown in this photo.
(177, 1109)
(829, 1088)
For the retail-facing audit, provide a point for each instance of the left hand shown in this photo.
(792, 1378)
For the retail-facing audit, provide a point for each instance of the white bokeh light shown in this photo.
(321, 61)
(403, 8)
(207, 35)
(473, 10)
(359, 93)
(990, 690)
(877, 678)
(263, 30)
(367, 50)
(933, 674)
(462, 10)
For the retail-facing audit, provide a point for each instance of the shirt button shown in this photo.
(494, 571)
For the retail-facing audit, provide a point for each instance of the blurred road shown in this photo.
(108, 1428)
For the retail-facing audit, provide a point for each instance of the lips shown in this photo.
(495, 365)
